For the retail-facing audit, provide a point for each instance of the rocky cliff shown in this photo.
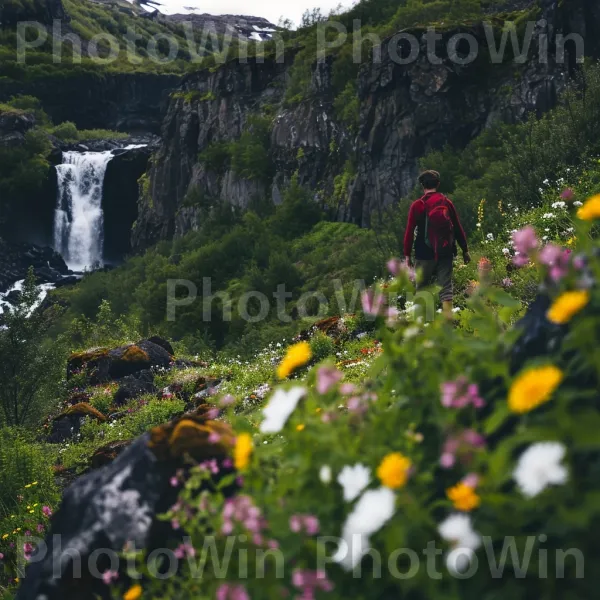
(406, 110)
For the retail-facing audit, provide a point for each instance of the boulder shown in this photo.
(68, 424)
(118, 504)
(134, 386)
(107, 453)
(104, 364)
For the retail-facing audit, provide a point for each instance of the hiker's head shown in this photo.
(430, 180)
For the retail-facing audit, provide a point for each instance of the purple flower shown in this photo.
(174, 481)
(372, 302)
(47, 511)
(311, 525)
(507, 282)
(460, 393)
(184, 550)
(567, 195)
(295, 524)
(447, 460)
(211, 414)
(109, 576)
(327, 377)
(227, 400)
(228, 591)
(214, 438)
(557, 260)
(525, 240)
(40, 528)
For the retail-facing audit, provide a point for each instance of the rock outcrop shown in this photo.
(17, 258)
(119, 504)
(406, 110)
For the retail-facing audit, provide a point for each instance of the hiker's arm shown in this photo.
(409, 235)
(459, 232)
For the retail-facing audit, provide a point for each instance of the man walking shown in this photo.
(438, 231)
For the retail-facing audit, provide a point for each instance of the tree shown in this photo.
(31, 363)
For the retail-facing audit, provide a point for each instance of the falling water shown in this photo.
(78, 220)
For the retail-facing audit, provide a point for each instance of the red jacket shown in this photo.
(416, 218)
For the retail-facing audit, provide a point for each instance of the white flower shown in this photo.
(354, 480)
(559, 205)
(370, 514)
(577, 203)
(539, 466)
(325, 474)
(411, 332)
(490, 236)
(505, 251)
(281, 405)
(458, 530)
(548, 216)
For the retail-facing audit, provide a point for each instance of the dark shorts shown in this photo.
(436, 271)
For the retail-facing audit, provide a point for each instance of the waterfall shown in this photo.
(78, 220)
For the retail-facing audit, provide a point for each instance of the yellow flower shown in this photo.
(242, 451)
(36, 504)
(31, 511)
(567, 305)
(533, 387)
(27, 486)
(590, 210)
(296, 356)
(133, 593)
(300, 427)
(16, 580)
(393, 470)
(18, 529)
(463, 497)
(571, 241)
(5, 536)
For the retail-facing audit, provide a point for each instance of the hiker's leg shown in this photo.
(425, 270)
(445, 268)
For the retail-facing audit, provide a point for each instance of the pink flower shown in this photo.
(211, 414)
(174, 481)
(567, 195)
(184, 550)
(327, 377)
(311, 525)
(227, 528)
(310, 581)
(507, 282)
(372, 303)
(273, 544)
(175, 524)
(447, 460)
(391, 315)
(471, 480)
(214, 438)
(525, 240)
(295, 523)
(462, 446)
(460, 393)
(557, 260)
(47, 511)
(228, 591)
(1, 556)
(346, 389)
(394, 265)
(227, 400)
(109, 576)
(40, 528)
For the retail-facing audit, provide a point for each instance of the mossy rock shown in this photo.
(103, 364)
(333, 327)
(78, 398)
(189, 435)
(82, 409)
(107, 453)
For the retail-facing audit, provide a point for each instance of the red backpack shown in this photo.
(439, 227)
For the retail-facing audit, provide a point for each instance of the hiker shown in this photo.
(438, 231)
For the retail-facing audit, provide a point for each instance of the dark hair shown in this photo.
(429, 179)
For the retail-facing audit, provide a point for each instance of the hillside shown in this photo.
(218, 378)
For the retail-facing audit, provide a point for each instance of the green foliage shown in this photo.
(250, 157)
(216, 157)
(30, 363)
(322, 346)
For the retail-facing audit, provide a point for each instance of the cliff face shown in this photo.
(405, 111)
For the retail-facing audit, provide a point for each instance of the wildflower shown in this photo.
(227, 400)
(47, 511)
(310, 581)
(133, 593)
(184, 550)
(325, 474)
(507, 282)
(228, 591)
(370, 514)
(309, 523)
(463, 497)
(577, 204)
(540, 466)
(5, 536)
(505, 251)
(484, 268)
(242, 451)
(354, 480)
(556, 259)
(300, 427)
(458, 530)
(590, 211)
(534, 387)
(567, 305)
(525, 240)
(568, 194)
(461, 445)
(279, 408)
(372, 302)
(109, 576)
(297, 355)
(394, 470)
(460, 393)
(327, 377)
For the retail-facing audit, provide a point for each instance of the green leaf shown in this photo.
(503, 298)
